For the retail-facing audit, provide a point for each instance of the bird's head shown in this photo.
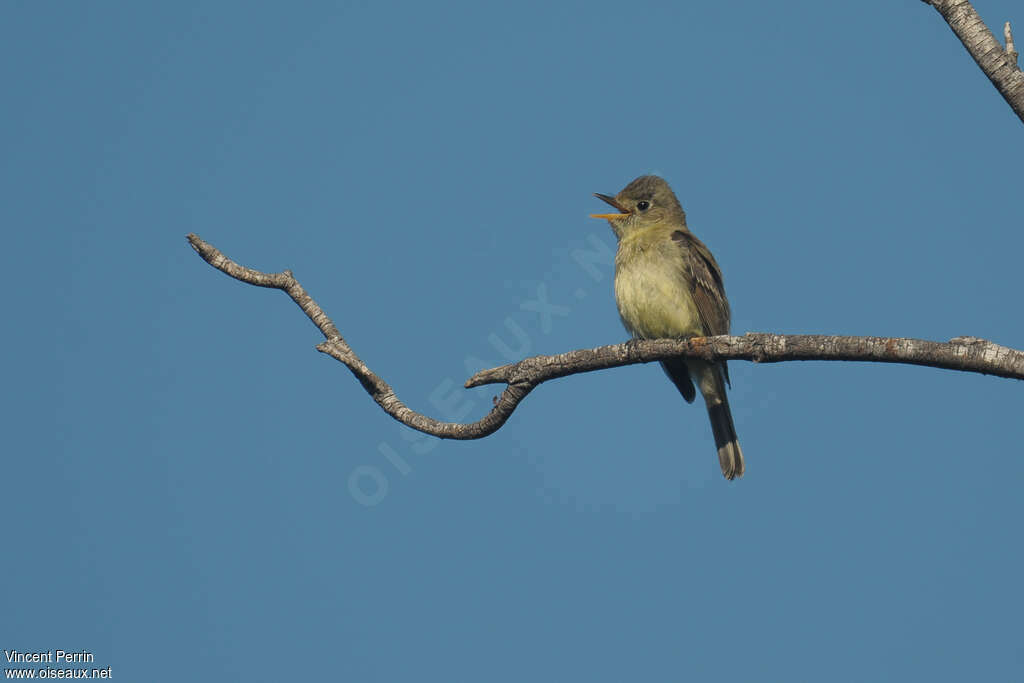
(646, 201)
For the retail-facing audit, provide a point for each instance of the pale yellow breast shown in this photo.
(654, 299)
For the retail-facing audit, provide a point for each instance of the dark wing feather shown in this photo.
(679, 373)
(705, 283)
(706, 286)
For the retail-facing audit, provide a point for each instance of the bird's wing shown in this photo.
(704, 278)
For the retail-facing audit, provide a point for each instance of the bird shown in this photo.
(668, 285)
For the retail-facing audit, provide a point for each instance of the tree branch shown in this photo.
(968, 354)
(999, 64)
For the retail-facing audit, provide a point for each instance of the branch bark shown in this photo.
(997, 62)
(968, 354)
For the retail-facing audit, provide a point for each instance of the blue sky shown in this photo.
(180, 462)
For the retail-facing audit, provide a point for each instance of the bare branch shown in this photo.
(999, 64)
(969, 354)
(338, 348)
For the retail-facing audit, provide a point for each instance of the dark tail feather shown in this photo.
(730, 456)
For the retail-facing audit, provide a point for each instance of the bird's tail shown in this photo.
(711, 378)
(730, 455)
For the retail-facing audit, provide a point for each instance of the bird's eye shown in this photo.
(643, 205)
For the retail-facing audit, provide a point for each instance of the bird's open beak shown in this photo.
(623, 211)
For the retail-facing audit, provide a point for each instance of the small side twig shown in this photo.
(1011, 49)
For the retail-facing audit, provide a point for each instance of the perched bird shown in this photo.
(667, 285)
